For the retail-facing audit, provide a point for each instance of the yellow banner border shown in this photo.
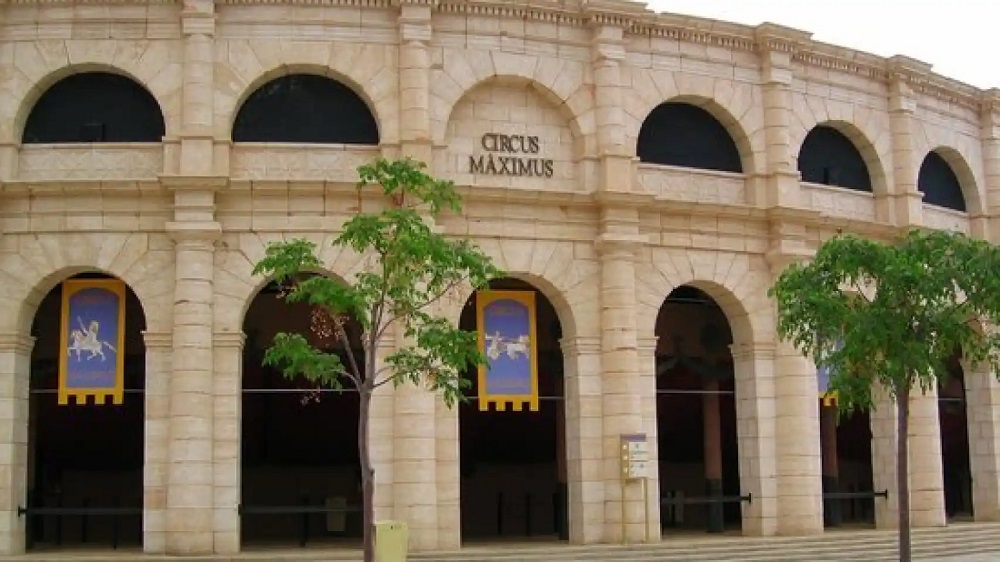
(69, 288)
(517, 401)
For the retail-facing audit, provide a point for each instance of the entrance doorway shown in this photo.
(848, 480)
(301, 480)
(85, 461)
(513, 464)
(953, 416)
(696, 415)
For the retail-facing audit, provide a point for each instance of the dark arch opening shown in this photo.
(94, 107)
(939, 184)
(513, 464)
(828, 157)
(681, 134)
(305, 108)
(85, 455)
(954, 419)
(299, 444)
(696, 414)
(848, 475)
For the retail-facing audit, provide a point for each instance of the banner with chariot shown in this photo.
(92, 341)
(505, 321)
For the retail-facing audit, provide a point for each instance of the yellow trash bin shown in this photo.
(391, 538)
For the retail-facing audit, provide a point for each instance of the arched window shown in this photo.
(94, 107)
(681, 134)
(939, 184)
(305, 108)
(828, 157)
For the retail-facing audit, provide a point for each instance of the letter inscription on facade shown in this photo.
(511, 155)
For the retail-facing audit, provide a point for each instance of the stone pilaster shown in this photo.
(982, 395)
(159, 354)
(607, 50)
(797, 431)
(907, 199)
(753, 367)
(926, 475)
(650, 423)
(190, 471)
(780, 182)
(227, 405)
(198, 27)
(584, 422)
(15, 369)
(621, 404)
(415, 32)
(990, 125)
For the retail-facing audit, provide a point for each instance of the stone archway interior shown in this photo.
(513, 464)
(956, 466)
(696, 414)
(299, 446)
(85, 455)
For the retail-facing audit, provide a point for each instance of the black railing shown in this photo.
(884, 494)
(706, 500)
(305, 511)
(85, 512)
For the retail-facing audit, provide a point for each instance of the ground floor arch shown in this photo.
(848, 478)
(696, 415)
(85, 458)
(513, 463)
(300, 475)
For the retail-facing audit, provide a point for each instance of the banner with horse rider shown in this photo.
(505, 321)
(92, 341)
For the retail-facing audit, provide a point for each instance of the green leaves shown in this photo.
(412, 268)
(901, 310)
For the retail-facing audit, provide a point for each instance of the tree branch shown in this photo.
(356, 376)
(432, 300)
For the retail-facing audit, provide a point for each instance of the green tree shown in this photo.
(411, 268)
(891, 316)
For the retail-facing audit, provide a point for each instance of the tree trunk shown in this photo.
(367, 475)
(903, 471)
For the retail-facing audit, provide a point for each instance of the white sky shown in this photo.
(960, 38)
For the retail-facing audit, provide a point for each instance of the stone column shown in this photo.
(190, 472)
(908, 201)
(650, 423)
(583, 438)
(227, 432)
(990, 126)
(621, 404)
(982, 395)
(754, 369)
(159, 354)
(15, 370)
(926, 475)
(799, 466)
(415, 33)
(780, 186)
(198, 27)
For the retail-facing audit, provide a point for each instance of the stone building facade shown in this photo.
(608, 155)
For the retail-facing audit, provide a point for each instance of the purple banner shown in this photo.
(92, 358)
(507, 338)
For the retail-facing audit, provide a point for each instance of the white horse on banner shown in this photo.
(512, 347)
(87, 339)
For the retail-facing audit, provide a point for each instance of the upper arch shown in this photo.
(158, 93)
(682, 133)
(832, 154)
(95, 106)
(305, 108)
(380, 109)
(947, 180)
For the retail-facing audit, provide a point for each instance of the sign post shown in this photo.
(635, 467)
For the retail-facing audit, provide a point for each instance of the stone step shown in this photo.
(834, 546)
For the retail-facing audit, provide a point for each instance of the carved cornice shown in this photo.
(158, 339)
(229, 339)
(17, 342)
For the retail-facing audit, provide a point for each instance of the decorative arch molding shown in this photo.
(732, 280)
(731, 103)
(236, 286)
(41, 263)
(558, 81)
(866, 128)
(33, 75)
(368, 70)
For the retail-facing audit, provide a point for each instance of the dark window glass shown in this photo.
(305, 108)
(830, 158)
(681, 134)
(939, 184)
(94, 107)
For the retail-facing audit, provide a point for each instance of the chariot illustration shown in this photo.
(513, 347)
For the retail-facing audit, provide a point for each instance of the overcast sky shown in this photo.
(960, 38)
